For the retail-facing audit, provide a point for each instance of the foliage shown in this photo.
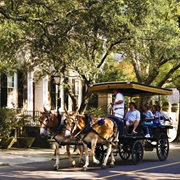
(78, 36)
(93, 101)
(111, 71)
(154, 49)
(8, 121)
(97, 112)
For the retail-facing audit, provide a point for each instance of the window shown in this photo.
(10, 82)
(10, 91)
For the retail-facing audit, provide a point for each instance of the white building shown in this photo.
(31, 94)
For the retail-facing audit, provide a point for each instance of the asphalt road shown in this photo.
(150, 168)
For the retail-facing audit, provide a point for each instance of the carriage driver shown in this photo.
(118, 104)
(132, 117)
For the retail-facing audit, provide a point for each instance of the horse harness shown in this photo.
(89, 128)
(55, 131)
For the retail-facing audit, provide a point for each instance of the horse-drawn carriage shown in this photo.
(124, 143)
(134, 145)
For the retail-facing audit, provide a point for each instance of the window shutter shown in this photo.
(53, 93)
(3, 90)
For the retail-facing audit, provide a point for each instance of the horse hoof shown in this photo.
(111, 165)
(84, 169)
(56, 168)
(103, 167)
(97, 162)
(73, 164)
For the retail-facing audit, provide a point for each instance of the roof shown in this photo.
(129, 88)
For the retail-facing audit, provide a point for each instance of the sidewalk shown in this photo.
(13, 156)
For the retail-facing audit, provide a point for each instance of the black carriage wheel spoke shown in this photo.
(124, 151)
(137, 152)
(162, 147)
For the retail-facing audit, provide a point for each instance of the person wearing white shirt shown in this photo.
(118, 104)
(163, 116)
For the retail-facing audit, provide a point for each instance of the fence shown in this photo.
(31, 118)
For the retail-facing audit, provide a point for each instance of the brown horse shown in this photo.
(93, 131)
(51, 122)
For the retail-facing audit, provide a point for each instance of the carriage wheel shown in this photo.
(137, 152)
(124, 151)
(162, 147)
(99, 152)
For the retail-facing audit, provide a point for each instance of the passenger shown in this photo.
(118, 104)
(147, 117)
(156, 114)
(163, 116)
(132, 117)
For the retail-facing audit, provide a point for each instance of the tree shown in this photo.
(154, 50)
(64, 36)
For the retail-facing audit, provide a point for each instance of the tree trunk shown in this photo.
(142, 101)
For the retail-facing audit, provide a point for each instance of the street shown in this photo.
(150, 168)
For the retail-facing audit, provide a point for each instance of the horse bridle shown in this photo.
(74, 120)
(47, 115)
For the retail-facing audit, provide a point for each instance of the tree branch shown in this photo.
(137, 72)
(153, 75)
(109, 49)
(156, 71)
(168, 75)
(71, 94)
(163, 61)
(14, 18)
(83, 76)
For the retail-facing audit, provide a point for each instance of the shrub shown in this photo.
(8, 121)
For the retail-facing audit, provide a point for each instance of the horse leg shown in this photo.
(81, 161)
(72, 161)
(56, 166)
(86, 157)
(107, 156)
(112, 159)
(93, 146)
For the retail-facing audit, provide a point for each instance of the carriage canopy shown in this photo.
(129, 88)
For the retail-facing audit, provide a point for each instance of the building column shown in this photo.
(30, 91)
(45, 93)
(104, 100)
(15, 93)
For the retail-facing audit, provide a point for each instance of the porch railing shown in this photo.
(31, 118)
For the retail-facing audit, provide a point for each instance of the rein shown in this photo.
(48, 118)
(56, 129)
(89, 128)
